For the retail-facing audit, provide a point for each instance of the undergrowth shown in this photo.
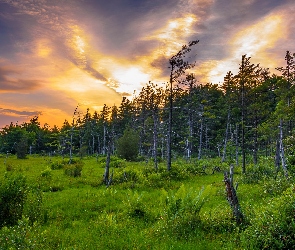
(48, 205)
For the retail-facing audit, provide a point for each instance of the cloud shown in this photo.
(9, 81)
(56, 22)
(15, 116)
(257, 29)
(17, 113)
(55, 54)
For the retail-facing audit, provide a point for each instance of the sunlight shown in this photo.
(247, 41)
(129, 79)
(43, 49)
(175, 31)
(250, 40)
(80, 44)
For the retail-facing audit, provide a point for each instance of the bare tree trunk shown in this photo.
(277, 156)
(104, 140)
(237, 144)
(169, 135)
(155, 139)
(98, 148)
(255, 149)
(189, 144)
(225, 137)
(93, 144)
(200, 140)
(107, 167)
(243, 113)
(71, 145)
(232, 196)
(282, 150)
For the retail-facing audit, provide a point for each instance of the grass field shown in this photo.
(185, 208)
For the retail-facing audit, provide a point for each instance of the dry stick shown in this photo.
(232, 196)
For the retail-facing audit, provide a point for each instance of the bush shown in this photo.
(175, 173)
(277, 185)
(20, 236)
(274, 226)
(57, 165)
(22, 148)
(33, 208)
(46, 173)
(74, 169)
(255, 174)
(12, 199)
(117, 163)
(182, 211)
(128, 145)
(9, 167)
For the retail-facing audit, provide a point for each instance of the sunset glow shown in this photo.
(55, 55)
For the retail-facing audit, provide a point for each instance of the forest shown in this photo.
(249, 115)
(184, 165)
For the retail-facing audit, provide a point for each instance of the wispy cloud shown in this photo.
(9, 81)
(17, 113)
(61, 53)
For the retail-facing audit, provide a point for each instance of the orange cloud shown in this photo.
(254, 40)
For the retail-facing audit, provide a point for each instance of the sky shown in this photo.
(57, 54)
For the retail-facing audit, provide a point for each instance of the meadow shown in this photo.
(54, 205)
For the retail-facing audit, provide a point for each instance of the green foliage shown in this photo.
(129, 175)
(13, 192)
(117, 163)
(272, 227)
(177, 211)
(276, 185)
(9, 167)
(256, 173)
(128, 145)
(20, 236)
(33, 207)
(136, 206)
(182, 211)
(57, 165)
(22, 148)
(47, 173)
(74, 169)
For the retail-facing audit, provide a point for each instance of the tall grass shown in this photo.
(146, 208)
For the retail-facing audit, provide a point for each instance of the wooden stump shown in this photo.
(232, 196)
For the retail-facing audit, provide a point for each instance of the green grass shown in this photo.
(143, 209)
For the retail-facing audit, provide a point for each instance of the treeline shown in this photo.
(250, 114)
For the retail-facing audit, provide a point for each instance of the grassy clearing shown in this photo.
(146, 209)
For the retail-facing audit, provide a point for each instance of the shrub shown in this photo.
(46, 173)
(274, 226)
(117, 163)
(136, 207)
(277, 185)
(33, 208)
(255, 174)
(74, 169)
(20, 236)
(57, 165)
(175, 173)
(12, 199)
(182, 211)
(9, 167)
(22, 148)
(128, 145)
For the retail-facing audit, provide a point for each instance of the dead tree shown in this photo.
(232, 196)
(282, 154)
(106, 177)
